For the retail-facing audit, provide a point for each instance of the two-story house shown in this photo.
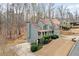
(44, 27)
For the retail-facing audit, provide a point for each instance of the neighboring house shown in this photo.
(44, 27)
(65, 24)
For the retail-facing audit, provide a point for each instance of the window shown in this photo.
(45, 27)
(52, 32)
(39, 33)
(45, 33)
(50, 27)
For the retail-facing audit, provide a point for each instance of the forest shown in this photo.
(15, 16)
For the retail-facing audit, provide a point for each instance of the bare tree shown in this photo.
(76, 16)
(62, 10)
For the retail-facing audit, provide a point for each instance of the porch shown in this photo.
(42, 33)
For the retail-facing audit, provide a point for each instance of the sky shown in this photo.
(70, 6)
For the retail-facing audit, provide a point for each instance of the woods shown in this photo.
(14, 16)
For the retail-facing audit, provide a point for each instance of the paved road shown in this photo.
(75, 50)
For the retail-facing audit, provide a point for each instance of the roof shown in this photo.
(55, 21)
(44, 30)
(45, 21)
(35, 25)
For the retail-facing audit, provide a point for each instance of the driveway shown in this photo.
(59, 47)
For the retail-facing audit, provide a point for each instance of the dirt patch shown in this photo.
(66, 32)
(70, 32)
(5, 47)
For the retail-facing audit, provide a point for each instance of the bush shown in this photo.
(34, 47)
(44, 40)
(34, 43)
(54, 36)
(46, 37)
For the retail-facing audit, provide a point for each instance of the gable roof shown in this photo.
(55, 21)
(45, 21)
(35, 25)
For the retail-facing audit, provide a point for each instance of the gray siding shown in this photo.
(56, 30)
(41, 25)
(33, 34)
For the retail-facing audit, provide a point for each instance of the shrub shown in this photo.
(54, 36)
(40, 41)
(46, 41)
(34, 47)
(34, 43)
(46, 37)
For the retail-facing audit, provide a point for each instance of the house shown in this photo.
(65, 25)
(44, 27)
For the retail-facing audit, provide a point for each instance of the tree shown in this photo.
(50, 10)
(76, 16)
(62, 9)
